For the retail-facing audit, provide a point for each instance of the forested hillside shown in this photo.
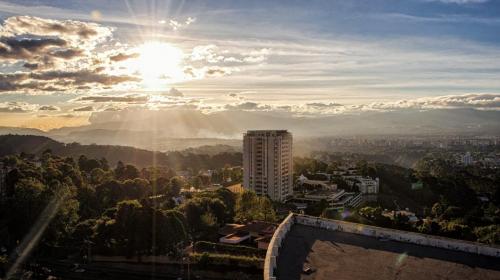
(16, 144)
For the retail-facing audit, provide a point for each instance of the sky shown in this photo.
(63, 62)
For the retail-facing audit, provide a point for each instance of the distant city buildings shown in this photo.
(268, 163)
(467, 159)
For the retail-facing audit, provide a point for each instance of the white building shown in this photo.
(268, 163)
(366, 185)
(302, 180)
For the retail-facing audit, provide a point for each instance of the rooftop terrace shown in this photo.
(307, 247)
(341, 255)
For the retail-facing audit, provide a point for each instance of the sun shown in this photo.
(159, 64)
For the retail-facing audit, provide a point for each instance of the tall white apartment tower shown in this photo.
(268, 163)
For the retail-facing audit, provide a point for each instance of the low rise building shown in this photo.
(366, 185)
(324, 184)
(254, 231)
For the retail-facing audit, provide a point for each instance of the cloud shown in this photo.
(48, 108)
(17, 107)
(31, 66)
(15, 49)
(84, 109)
(67, 54)
(476, 101)
(315, 109)
(67, 115)
(206, 53)
(248, 106)
(216, 71)
(209, 53)
(131, 99)
(257, 56)
(60, 54)
(176, 24)
(122, 56)
(74, 31)
(190, 20)
(83, 77)
(323, 105)
(209, 71)
(175, 92)
(59, 80)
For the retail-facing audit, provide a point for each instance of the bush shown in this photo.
(204, 259)
(3, 265)
(204, 246)
(225, 259)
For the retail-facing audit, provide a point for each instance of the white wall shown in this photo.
(273, 249)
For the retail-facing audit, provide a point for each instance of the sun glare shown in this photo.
(159, 64)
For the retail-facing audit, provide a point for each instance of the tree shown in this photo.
(129, 172)
(251, 207)
(488, 234)
(98, 176)
(176, 184)
(452, 212)
(128, 221)
(195, 208)
(266, 210)
(196, 182)
(362, 167)
(84, 231)
(429, 226)
(437, 210)
(209, 226)
(88, 165)
(245, 206)
(119, 170)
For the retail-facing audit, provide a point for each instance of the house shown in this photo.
(263, 242)
(235, 238)
(253, 231)
(236, 188)
(229, 229)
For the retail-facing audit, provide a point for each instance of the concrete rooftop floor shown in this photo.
(339, 255)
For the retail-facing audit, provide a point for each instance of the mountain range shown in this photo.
(177, 129)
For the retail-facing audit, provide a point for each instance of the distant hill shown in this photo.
(20, 130)
(32, 144)
(213, 149)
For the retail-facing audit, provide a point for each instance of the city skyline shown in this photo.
(71, 63)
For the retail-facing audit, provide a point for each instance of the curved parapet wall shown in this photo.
(377, 232)
(274, 245)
